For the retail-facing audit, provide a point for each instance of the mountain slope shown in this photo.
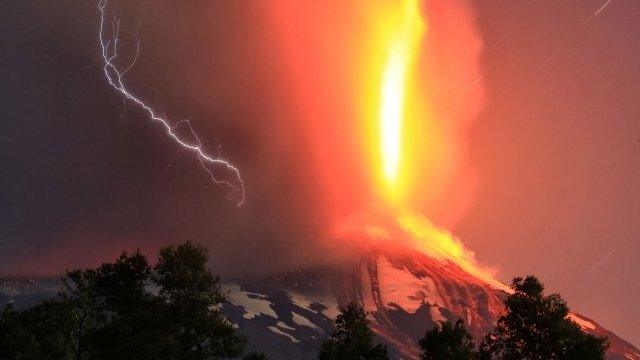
(406, 293)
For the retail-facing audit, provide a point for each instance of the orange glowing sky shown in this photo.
(384, 134)
(516, 129)
(379, 91)
(556, 86)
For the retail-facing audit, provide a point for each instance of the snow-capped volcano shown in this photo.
(405, 292)
(408, 276)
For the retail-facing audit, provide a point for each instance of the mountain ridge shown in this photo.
(404, 293)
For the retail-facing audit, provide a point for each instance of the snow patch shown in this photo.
(280, 332)
(401, 287)
(280, 324)
(303, 321)
(253, 304)
(331, 310)
(304, 302)
(300, 301)
(368, 302)
(436, 315)
(581, 322)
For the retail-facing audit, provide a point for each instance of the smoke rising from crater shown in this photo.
(283, 85)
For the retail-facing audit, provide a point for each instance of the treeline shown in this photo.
(533, 327)
(130, 310)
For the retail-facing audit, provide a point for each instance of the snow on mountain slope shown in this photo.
(406, 293)
(289, 315)
(619, 348)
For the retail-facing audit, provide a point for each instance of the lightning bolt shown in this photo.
(115, 78)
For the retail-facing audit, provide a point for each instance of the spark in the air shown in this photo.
(601, 261)
(115, 77)
(596, 12)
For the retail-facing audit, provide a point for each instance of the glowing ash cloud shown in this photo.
(115, 76)
(379, 87)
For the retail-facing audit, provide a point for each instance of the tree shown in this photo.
(191, 298)
(448, 342)
(536, 327)
(128, 323)
(352, 339)
(113, 313)
(15, 340)
(50, 324)
(127, 310)
(79, 296)
(40, 333)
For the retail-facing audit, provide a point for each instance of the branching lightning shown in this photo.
(115, 78)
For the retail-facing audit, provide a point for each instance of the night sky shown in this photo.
(555, 146)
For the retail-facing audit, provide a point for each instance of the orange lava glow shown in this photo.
(443, 245)
(383, 89)
(405, 32)
(402, 34)
(401, 231)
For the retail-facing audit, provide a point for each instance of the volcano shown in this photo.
(405, 292)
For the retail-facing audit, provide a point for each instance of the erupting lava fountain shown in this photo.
(390, 223)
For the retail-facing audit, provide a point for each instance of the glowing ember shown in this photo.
(401, 54)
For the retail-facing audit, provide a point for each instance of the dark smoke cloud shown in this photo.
(81, 183)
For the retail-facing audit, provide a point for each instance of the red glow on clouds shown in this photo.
(331, 52)
(412, 67)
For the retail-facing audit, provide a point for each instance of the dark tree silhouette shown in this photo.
(16, 342)
(79, 295)
(448, 342)
(125, 310)
(536, 327)
(192, 297)
(42, 332)
(49, 324)
(352, 339)
(128, 323)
